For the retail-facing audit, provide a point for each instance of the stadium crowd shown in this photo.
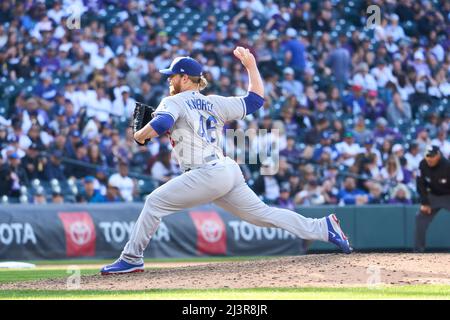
(355, 105)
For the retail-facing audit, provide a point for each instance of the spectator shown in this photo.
(112, 194)
(382, 132)
(91, 194)
(369, 150)
(355, 102)
(266, 186)
(413, 157)
(294, 53)
(122, 181)
(376, 194)
(392, 172)
(290, 86)
(95, 158)
(423, 139)
(361, 131)
(39, 197)
(442, 142)
(284, 200)
(54, 168)
(124, 106)
(14, 177)
(57, 198)
(325, 146)
(164, 169)
(75, 168)
(382, 73)
(291, 152)
(400, 195)
(398, 151)
(348, 149)
(34, 163)
(330, 192)
(349, 194)
(363, 78)
(374, 108)
(340, 63)
(311, 194)
(394, 30)
(399, 111)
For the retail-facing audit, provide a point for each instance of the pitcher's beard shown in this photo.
(174, 89)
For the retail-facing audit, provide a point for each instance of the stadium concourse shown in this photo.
(355, 106)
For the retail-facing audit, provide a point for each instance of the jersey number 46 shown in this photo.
(207, 128)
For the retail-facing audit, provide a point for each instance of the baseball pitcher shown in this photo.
(195, 124)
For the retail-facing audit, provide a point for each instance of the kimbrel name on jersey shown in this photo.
(199, 104)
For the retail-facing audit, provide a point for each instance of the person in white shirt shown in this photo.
(413, 157)
(139, 63)
(56, 13)
(103, 55)
(124, 106)
(363, 78)
(392, 170)
(100, 107)
(394, 30)
(398, 151)
(348, 149)
(270, 9)
(88, 44)
(256, 6)
(382, 73)
(442, 142)
(83, 96)
(380, 30)
(123, 182)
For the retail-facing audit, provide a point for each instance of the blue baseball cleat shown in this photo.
(336, 235)
(121, 266)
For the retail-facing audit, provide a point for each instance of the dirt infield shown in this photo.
(318, 270)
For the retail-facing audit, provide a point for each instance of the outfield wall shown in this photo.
(101, 231)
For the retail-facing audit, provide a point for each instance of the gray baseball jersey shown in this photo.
(199, 120)
(196, 134)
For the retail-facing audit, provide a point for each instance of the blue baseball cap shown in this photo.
(184, 65)
(89, 179)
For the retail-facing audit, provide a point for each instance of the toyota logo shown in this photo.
(80, 233)
(211, 231)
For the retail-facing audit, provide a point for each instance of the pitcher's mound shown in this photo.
(315, 270)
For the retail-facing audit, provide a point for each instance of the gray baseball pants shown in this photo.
(223, 184)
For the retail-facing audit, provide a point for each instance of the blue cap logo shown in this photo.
(184, 65)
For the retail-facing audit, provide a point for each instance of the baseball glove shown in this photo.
(141, 116)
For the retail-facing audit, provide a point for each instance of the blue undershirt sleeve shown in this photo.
(253, 102)
(161, 123)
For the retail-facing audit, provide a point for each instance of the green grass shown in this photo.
(39, 274)
(404, 292)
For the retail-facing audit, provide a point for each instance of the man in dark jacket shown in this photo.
(433, 186)
(54, 168)
(13, 176)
